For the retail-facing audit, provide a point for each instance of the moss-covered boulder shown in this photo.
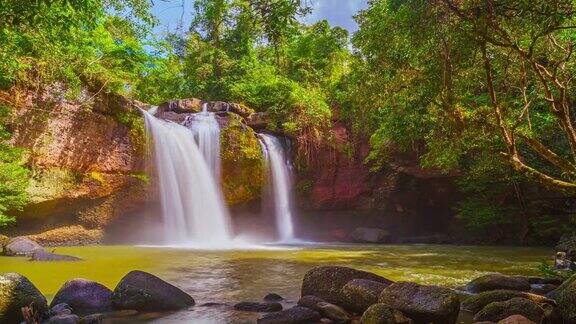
(382, 314)
(565, 297)
(142, 291)
(498, 311)
(475, 303)
(242, 162)
(422, 303)
(16, 292)
(359, 294)
(327, 282)
(498, 282)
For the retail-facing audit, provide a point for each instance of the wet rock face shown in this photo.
(84, 296)
(497, 311)
(16, 292)
(498, 282)
(295, 315)
(369, 235)
(326, 282)
(142, 291)
(422, 303)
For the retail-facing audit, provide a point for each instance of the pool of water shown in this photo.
(231, 276)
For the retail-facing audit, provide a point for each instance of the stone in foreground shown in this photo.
(475, 303)
(382, 314)
(565, 297)
(326, 282)
(498, 282)
(272, 297)
(333, 312)
(295, 315)
(84, 296)
(142, 291)
(516, 319)
(258, 307)
(422, 303)
(498, 311)
(21, 246)
(64, 319)
(16, 291)
(309, 301)
(359, 294)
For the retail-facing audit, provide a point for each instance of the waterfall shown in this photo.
(280, 185)
(207, 134)
(192, 203)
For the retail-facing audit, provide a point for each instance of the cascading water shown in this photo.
(280, 185)
(207, 134)
(192, 203)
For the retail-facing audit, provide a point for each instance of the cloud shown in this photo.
(337, 12)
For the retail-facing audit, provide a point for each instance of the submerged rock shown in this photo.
(497, 311)
(333, 312)
(422, 303)
(258, 307)
(369, 235)
(21, 246)
(327, 282)
(41, 255)
(382, 314)
(359, 294)
(142, 291)
(498, 282)
(475, 303)
(295, 315)
(309, 301)
(16, 291)
(84, 296)
(273, 297)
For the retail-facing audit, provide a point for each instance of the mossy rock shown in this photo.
(498, 282)
(475, 303)
(359, 294)
(16, 292)
(498, 311)
(422, 303)
(242, 162)
(382, 314)
(565, 297)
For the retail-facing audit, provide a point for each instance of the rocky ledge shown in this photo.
(330, 294)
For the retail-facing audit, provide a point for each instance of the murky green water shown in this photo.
(247, 275)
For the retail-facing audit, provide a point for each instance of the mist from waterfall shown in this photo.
(193, 207)
(279, 185)
(207, 135)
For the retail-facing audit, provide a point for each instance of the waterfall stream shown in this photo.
(192, 202)
(280, 185)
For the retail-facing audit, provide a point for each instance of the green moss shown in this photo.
(242, 162)
(134, 121)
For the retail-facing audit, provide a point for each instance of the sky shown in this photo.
(337, 12)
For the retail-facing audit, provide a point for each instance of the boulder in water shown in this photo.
(475, 303)
(382, 314)
(41, 255)
(258, 307)
(272, 297)
(369, 235)
(422, 303)
(333, 312)
(21, 246)
(16, 292)
(142, 291)
(498, 311)
(326, 282)
(359, 294)
(295, 315)
(309, 301)
(498, 282)
(84, 296)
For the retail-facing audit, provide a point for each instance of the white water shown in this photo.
(192, 203)
(207, 134)
(280, 185)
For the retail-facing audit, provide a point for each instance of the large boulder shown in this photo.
(422, 303)
(565, 297)
(21, 246)
(142, 291)
(475, 303)
(498, 311)
(369, 235)
(516, 319)
(84, 296)
(359, 294)
(294, 315)
(327, 282)
(382, 314)
(498, 282)
(16, 291)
